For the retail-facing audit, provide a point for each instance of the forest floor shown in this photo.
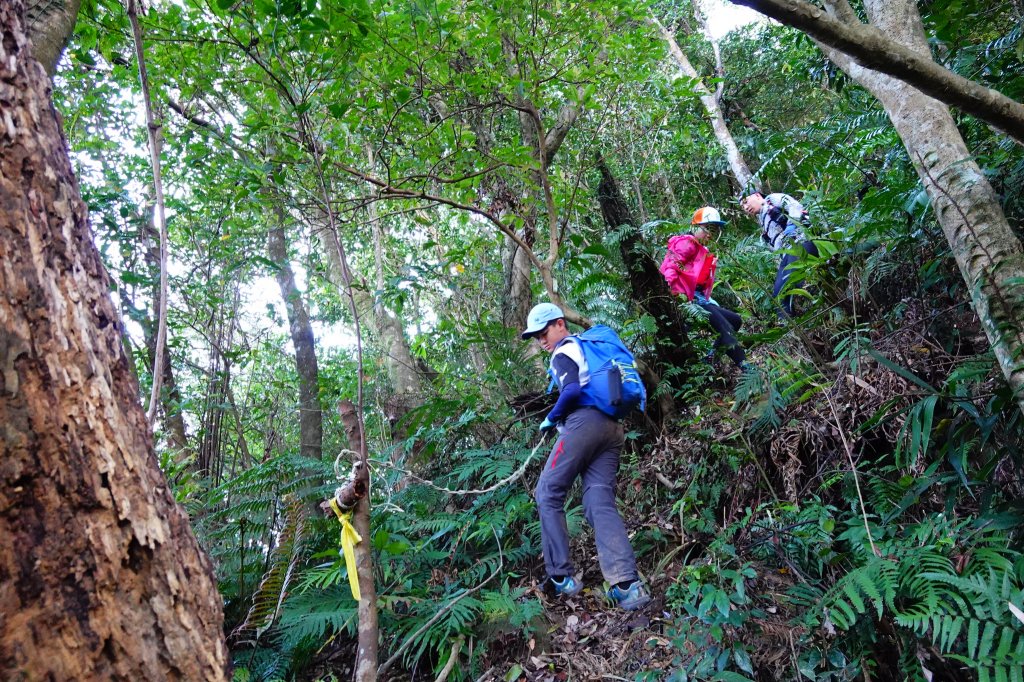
(716, 450)
(585, 638)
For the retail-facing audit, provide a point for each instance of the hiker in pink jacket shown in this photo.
(689, 269)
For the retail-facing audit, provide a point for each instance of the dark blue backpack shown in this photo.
(615, 386)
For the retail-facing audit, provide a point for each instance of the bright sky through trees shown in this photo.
(723, 16)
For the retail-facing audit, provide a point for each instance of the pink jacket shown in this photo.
(688, 265)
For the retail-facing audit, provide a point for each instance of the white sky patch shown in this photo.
(264, 291)
(724, 16)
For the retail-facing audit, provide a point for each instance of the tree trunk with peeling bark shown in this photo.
(100, 575)
(989, 254)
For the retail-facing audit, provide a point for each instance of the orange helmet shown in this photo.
(707, 216)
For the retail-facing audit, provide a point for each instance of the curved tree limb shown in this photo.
(385, 190)
(872, 49)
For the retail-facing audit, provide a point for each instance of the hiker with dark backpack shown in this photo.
(598, 384)
(689, 269)
(782, 219)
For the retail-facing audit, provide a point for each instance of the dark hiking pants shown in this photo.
(588, 446)
(725, 322)
(783, 273)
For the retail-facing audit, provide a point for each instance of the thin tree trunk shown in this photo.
(670, 195)
(310, 413)
(170, 396)
(155, 129)
(989, 254)
(369, 627)
(100, 575)
(737, 163)
(174, 420)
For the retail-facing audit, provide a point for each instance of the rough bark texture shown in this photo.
(518, 296)
(100, 575)
(875, 47)
(737, 163)
(990, 256)
(311, 430)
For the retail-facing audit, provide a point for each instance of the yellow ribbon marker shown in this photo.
(349, 539)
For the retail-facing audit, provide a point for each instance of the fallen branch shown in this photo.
(452, 658)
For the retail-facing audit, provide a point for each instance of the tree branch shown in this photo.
(391, 192)
(437, 616)
(872, 49)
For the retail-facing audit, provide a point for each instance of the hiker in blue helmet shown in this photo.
(589, 444)
(782, 219)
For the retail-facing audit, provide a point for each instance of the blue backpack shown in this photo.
(615, 386)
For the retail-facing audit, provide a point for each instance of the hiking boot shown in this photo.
(567, 586)
(631, 598)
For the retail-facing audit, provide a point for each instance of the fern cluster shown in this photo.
(963, 611)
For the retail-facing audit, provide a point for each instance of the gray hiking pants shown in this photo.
(589, 446)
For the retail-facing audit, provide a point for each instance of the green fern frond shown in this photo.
(316, 614)
(767, 414)
(323, 576)
(456, 620)
(266, 602)
(966, 616)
